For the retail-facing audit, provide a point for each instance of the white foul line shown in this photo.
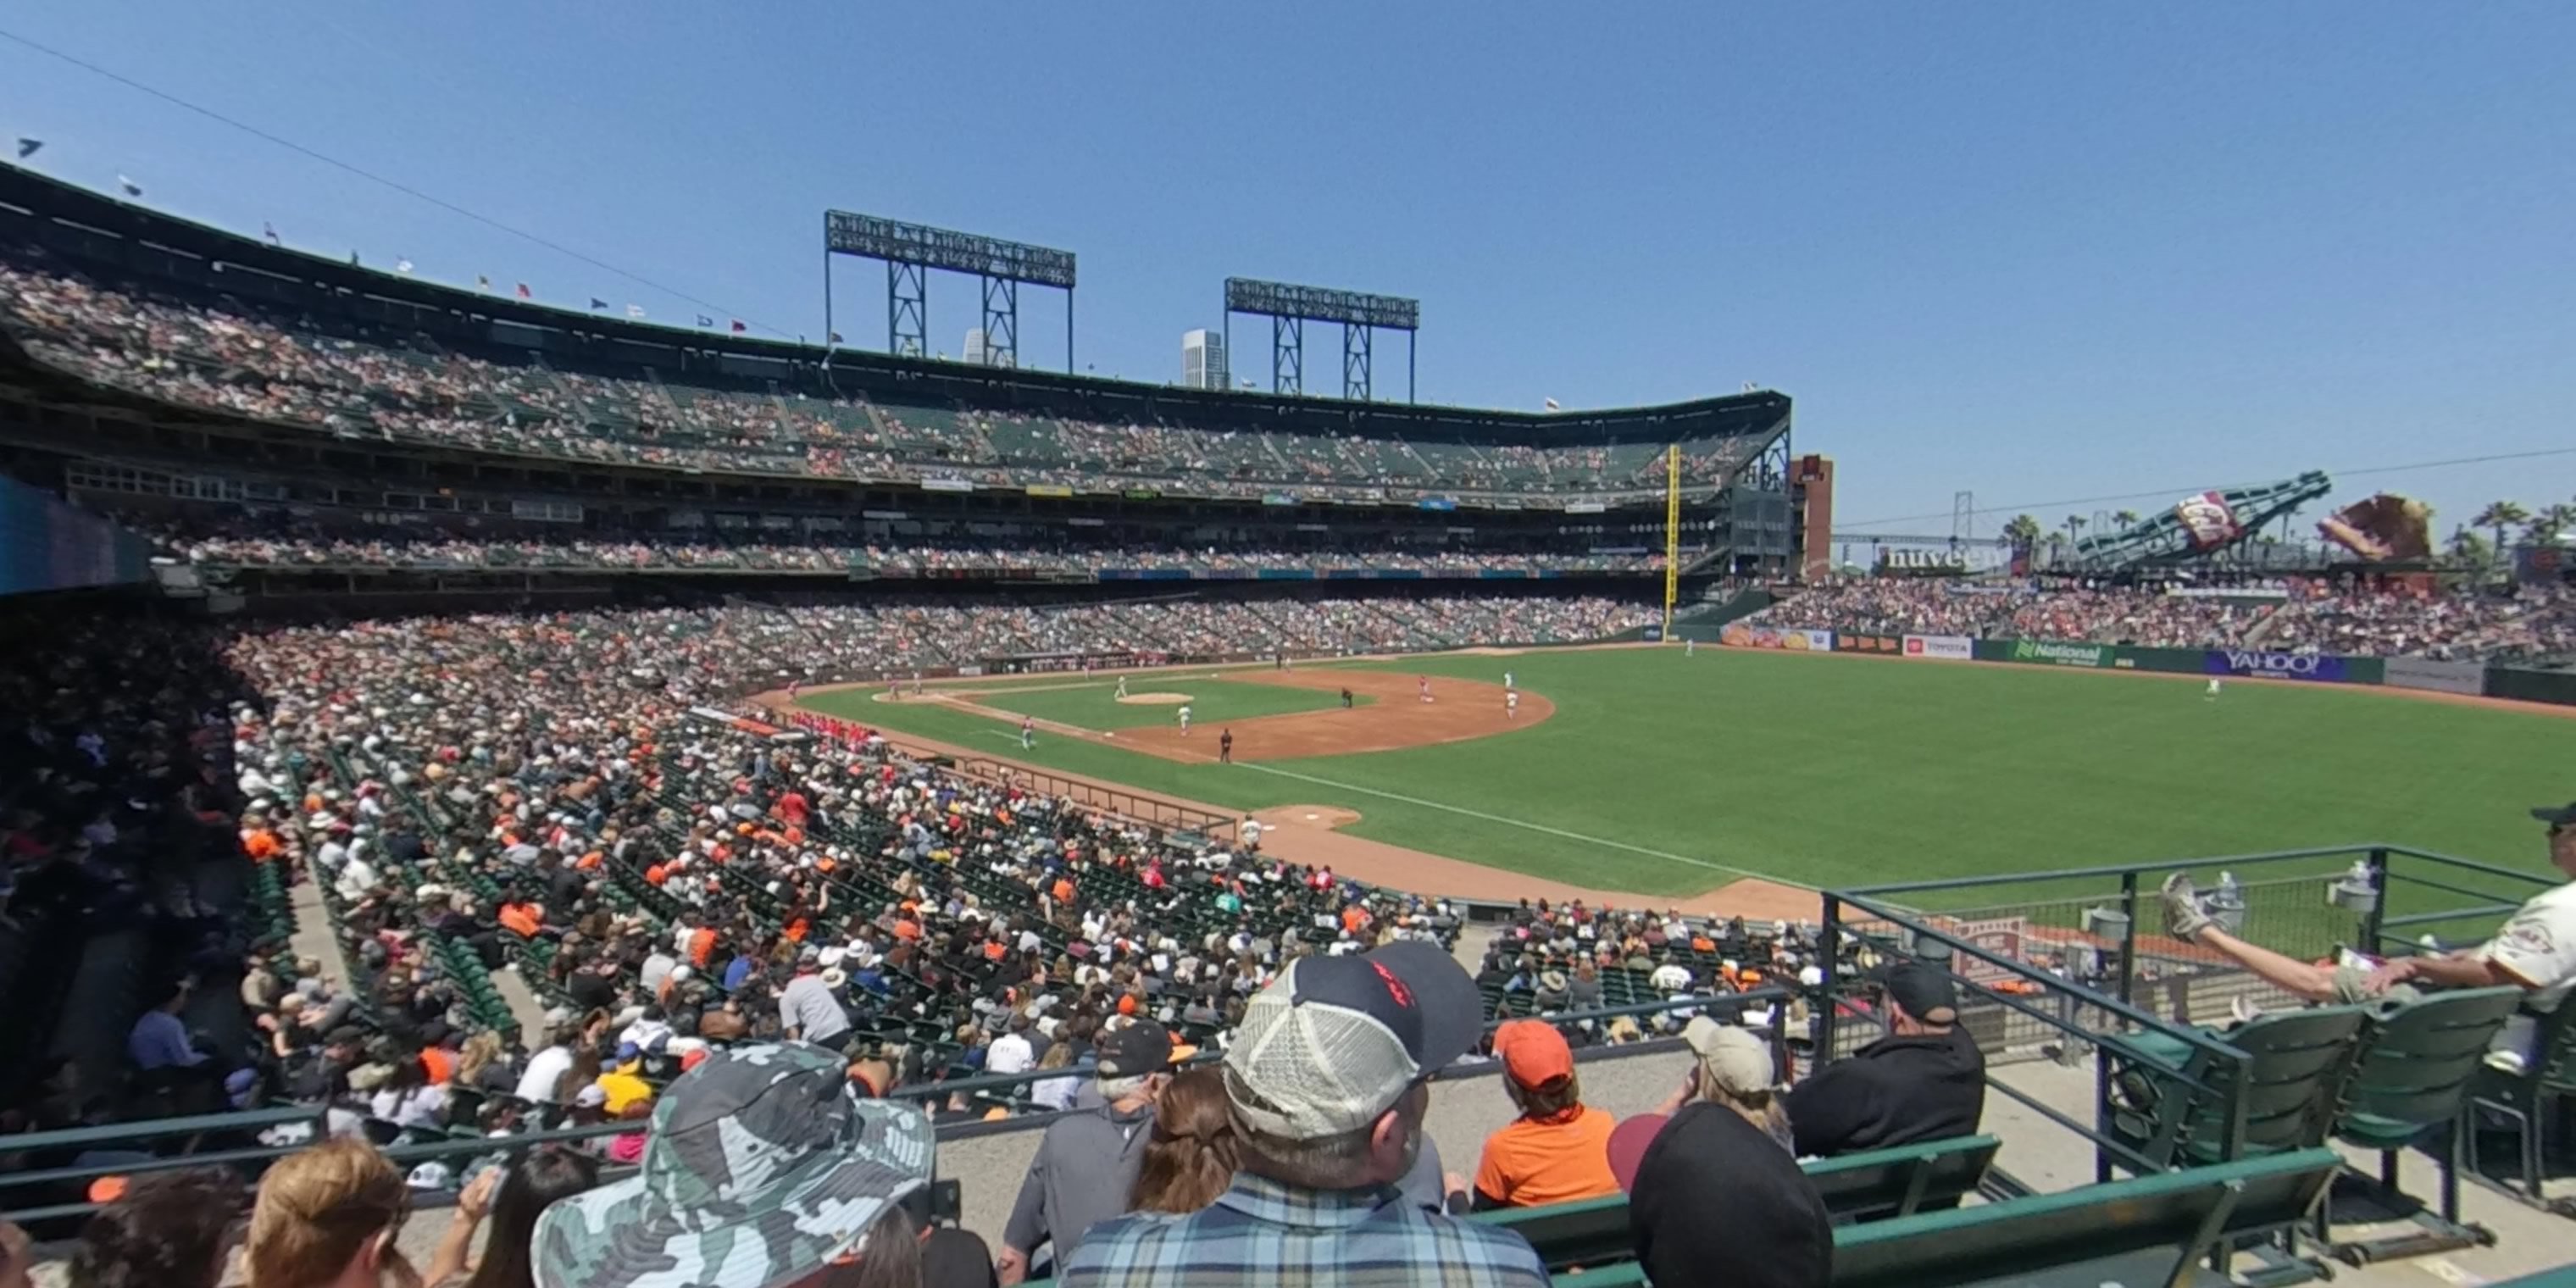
(1520, 823)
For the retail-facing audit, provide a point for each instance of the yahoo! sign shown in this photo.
(2274, 666)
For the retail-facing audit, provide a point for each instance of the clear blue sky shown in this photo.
(2038, 251)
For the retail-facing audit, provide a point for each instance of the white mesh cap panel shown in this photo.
(1322, 1070)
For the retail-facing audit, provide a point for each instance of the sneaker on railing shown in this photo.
(2184, 917)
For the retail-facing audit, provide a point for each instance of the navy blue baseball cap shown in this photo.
(1335, 1042)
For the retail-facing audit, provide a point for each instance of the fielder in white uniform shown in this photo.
(1185, 720)
(2214, 686)
(1512, 703)
(1507, 680)
(1122, 688)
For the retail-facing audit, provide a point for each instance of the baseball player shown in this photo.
(894, 688)
(1185, 720)
(1422, 686)
(916, 684)
(1512, 704)
(1225, 747)
(2211, 693)
(1507, 681)
(1028, 732)
(1122, 688)
(1690, 647)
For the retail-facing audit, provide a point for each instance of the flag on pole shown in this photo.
(704, 320)
(402, 265)
(635, 310)
(132, 189)
(269, 231)
(598, 303)
(836, 337)
(738, 327)
(1551, 405)
(482, 282)
(29, 147)
(523, 292)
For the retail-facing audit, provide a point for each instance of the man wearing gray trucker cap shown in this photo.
(1326, 1078)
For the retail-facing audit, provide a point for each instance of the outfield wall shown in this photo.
(2433, 675)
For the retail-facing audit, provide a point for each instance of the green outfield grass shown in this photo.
(1094, 704)
(1663, 774)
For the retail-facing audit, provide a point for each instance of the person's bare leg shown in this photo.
(2303, 979)
(2187, 921)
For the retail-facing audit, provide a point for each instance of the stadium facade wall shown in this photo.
(2523, 685)
(2440, 677)
(48, 545)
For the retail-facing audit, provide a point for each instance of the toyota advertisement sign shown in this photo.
(2275, 666)
(1946, 648)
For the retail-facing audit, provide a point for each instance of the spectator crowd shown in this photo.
(379, 383)
(807, 946)
(2531, 623)
(279, 538)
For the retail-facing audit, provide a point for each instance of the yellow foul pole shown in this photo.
(1672, 532)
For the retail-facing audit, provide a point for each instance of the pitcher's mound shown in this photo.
(1326, 817)
(1155, 699)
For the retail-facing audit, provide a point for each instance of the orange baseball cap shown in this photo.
(1533, 1053)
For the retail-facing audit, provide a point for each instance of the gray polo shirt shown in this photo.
(807, 1004)
(1085, 1169)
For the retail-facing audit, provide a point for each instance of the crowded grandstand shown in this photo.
(423, 826)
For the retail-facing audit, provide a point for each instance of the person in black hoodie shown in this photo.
(1716, 1198)
(1925, 1080)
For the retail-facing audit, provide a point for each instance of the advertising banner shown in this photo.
(2274, 666)
(1945, 648)
(1049, 489)
(947, 485)
(2440, 677)
(2055, 654)
(1889, 645)
(2207, 520)
(1653, 634)
(2000, 936)
(1791, 638)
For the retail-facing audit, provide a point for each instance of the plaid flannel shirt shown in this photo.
(1264, 1232)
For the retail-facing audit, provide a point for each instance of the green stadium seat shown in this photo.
(2417, 1063)
(2300, 1068)
(2525, 1100)
(2149, 1230)
(1855, 1187)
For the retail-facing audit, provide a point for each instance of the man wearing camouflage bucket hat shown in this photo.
(764, 1167)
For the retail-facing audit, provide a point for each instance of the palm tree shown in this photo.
(2126, 518)
(2469, 550)
(2552, 522)
(2023, 531)
(2498, 516)
(2074, 525)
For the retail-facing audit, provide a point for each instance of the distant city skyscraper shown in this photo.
(976, 353)
(1203, 360)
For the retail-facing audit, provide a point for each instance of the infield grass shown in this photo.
(1665, 774)
(1094, 704)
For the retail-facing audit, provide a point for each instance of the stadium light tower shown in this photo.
(1289, 308)
(910, 251)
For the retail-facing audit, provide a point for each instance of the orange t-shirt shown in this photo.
(439, 1063)
(1531, 1163)
(521, 918)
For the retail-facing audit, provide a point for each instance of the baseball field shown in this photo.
(1651, 772)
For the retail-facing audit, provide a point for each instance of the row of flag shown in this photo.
(28, 147)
